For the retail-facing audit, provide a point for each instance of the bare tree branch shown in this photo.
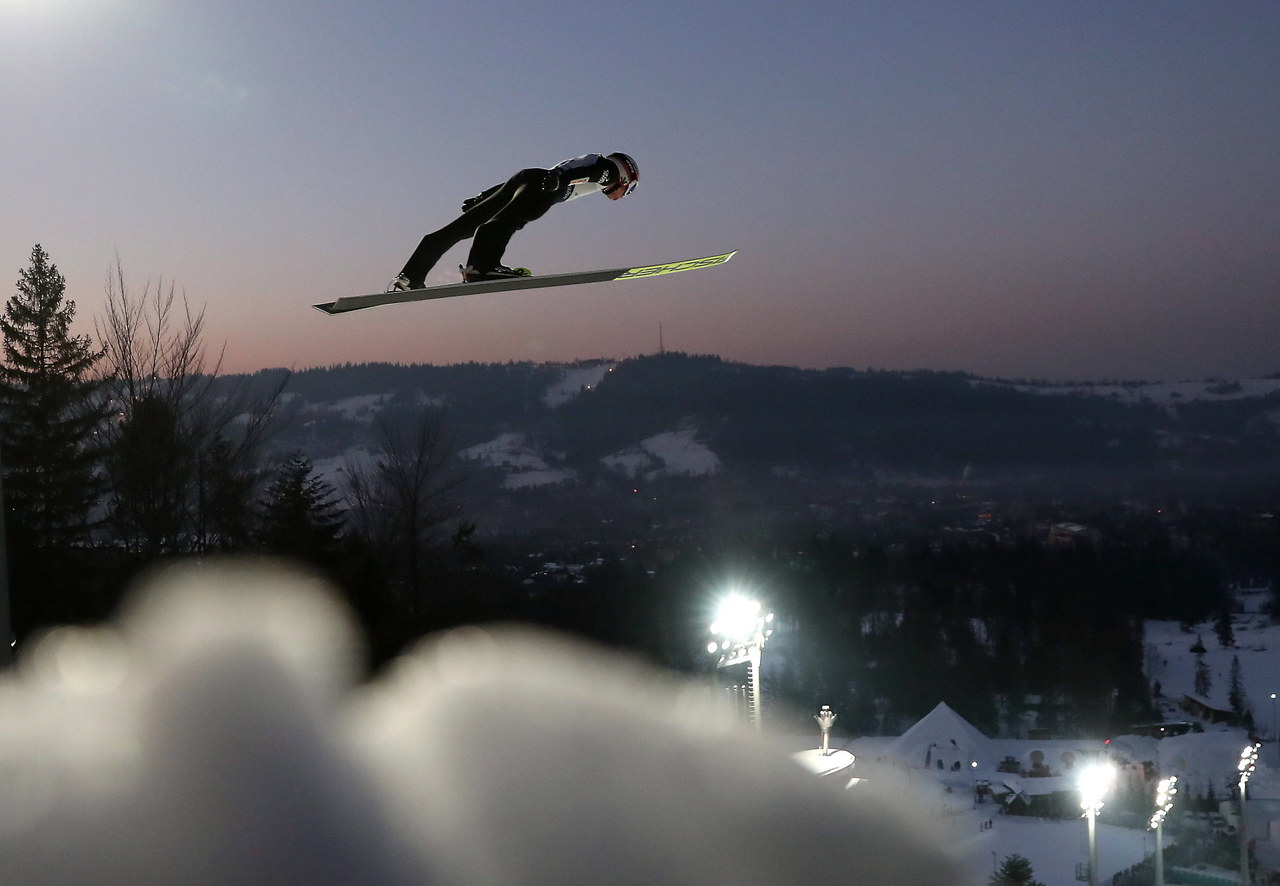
(156, 362)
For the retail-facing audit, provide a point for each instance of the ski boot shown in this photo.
(497, 272)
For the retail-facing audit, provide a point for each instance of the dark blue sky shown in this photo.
(1057, 190)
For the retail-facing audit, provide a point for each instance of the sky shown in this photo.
(1063, 191)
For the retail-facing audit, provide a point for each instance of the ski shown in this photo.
(451, 290)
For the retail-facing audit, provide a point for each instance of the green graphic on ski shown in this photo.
(451, 290)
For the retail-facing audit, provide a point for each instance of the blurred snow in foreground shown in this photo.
(217, 734)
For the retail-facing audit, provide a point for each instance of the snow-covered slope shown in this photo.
(574, 380)
(1164, 393)
(1171, 662)
(524, 465)
(669, 454)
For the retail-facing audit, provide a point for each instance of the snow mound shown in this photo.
(574, 381)
(525, 467)
(223, 711)
(673, 453)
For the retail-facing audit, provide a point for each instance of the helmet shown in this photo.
(628, 175)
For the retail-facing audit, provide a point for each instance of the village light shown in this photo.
(739, 632)
(1165, 790)
(1095, 781)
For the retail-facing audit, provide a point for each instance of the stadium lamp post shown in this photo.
(1094, 782)
(740, 631)
(1165, 789)
(1248, 762)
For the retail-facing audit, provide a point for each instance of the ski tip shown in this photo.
(327, 307)
(675, 267)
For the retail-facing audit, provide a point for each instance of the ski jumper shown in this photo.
(493, 216)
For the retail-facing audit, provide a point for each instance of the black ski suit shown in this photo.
(493, 216)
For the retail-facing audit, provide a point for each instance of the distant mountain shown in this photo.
(783, 434)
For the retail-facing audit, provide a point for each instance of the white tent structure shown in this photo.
(943, 741)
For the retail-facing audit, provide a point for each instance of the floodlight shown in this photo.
(739, 633)
(1165, 790)
(1248, 762)
(1095, 781)
(737, 617)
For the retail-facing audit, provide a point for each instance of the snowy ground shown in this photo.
(978, 837)
(524, 465)
(1257, 646)
(225, 703)
(1166, 393)
(574, 381)
(1054, 848)
(672, 453)
(363, 408)
(221, 711)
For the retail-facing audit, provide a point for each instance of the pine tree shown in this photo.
(50, 409)
(300, 514)
(1235, 694)
(1015, 870)
(226, 484)
(1222, 627)
(1203, 683)
(149, 465)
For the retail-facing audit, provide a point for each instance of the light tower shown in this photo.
(1094, 783)
(740, 631)
(1248, 762)
(1165, 789)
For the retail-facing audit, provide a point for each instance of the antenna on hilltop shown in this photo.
(661, 347)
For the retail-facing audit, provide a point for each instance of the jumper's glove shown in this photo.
(483, 195)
